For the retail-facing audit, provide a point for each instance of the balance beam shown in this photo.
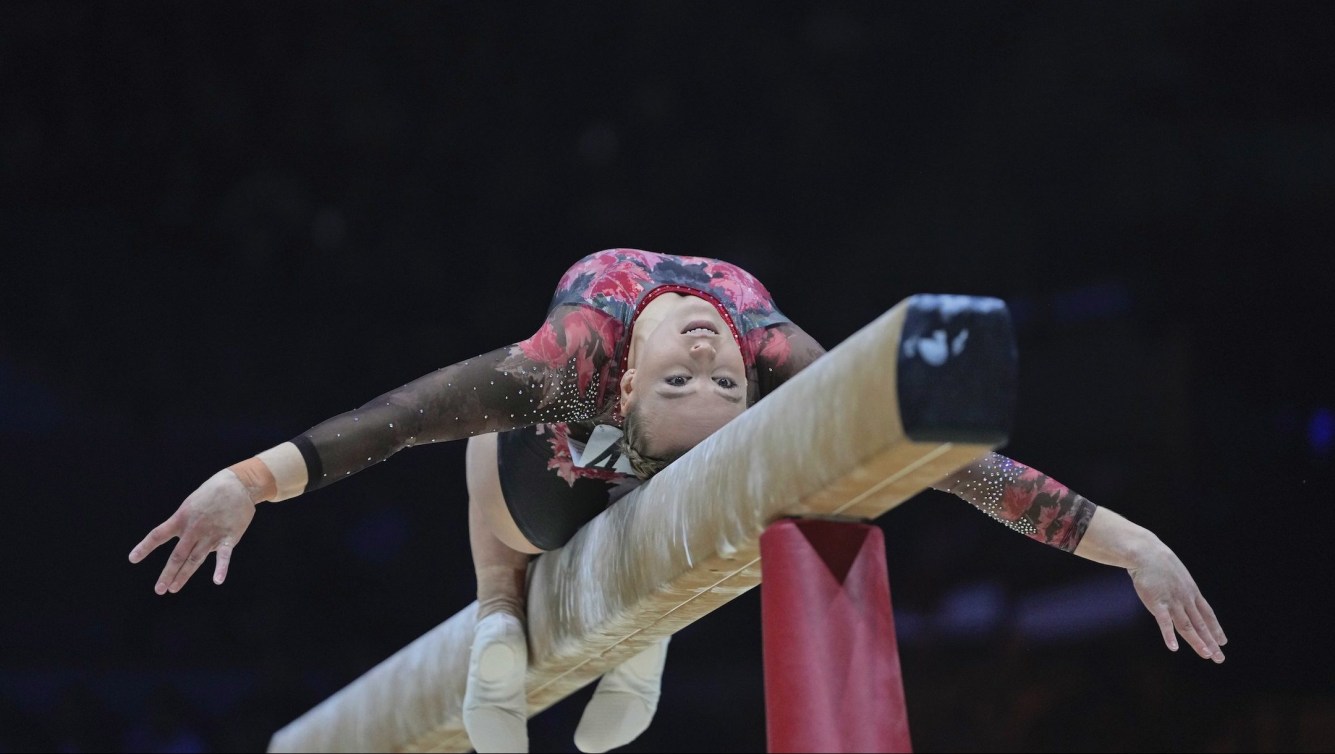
(912, 397)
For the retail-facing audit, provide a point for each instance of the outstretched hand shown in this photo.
(212, 518)
(1172, 597)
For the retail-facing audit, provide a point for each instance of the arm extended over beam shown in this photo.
(907, 400)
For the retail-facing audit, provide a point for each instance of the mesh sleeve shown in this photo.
(1023, 499)
(781, 351)
(557, 375)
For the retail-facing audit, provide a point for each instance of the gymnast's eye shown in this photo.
(677, 380)
(725, 382)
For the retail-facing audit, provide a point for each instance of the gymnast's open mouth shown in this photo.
(700, 328)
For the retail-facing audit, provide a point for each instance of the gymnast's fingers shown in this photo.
(1188, 632)
(1207, 636)
(1166, 628)
(161, 533)
(1210, 620)
(223, 559)
(184, 560)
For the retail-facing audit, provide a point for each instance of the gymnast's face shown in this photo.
(688, 378)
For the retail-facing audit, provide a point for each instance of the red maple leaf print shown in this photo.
(544, 348)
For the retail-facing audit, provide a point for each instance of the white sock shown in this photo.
(495, 707)
(624, 703)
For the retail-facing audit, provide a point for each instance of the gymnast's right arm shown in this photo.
(553, 376)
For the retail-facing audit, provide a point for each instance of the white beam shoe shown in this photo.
(495, 709)
(624, 703)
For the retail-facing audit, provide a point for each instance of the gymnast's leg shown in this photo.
(624, 703)
(495, 710)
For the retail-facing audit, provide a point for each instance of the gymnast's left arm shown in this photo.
(1044, 509)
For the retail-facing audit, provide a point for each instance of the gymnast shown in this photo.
(641, 356)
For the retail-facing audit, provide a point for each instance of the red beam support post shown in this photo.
(832, 676)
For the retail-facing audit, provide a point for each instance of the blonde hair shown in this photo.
(634, 444)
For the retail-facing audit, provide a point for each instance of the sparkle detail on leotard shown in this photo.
(1023, 499)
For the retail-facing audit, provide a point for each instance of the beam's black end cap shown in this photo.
(957, 370)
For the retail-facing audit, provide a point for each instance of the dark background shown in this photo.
(224, 223)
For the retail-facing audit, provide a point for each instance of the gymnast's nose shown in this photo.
(702, 349)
